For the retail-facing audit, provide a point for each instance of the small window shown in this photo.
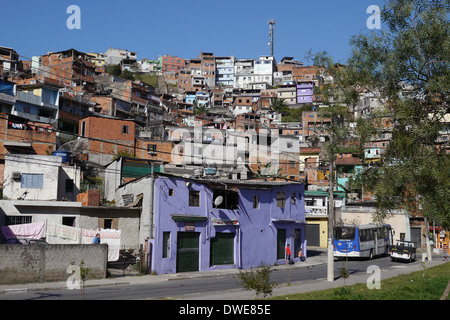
(255, 201)
(83, 128)
(151, 148)
(69, 185)
(108, 223)
(68, 221)
(194, 198)
(166, 245)
(125, 129)
(281, 199)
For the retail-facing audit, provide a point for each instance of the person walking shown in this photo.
(288, 254)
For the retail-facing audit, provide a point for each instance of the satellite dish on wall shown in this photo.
(218, 201)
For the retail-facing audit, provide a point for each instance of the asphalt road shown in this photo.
(202, 286)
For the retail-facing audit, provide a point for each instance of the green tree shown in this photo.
(114, 70)
(127, 75)
(407, 64)
(200, 109)
(295, 115)
(280, 106)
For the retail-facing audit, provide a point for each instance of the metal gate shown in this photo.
(222, 249)
(187, 251)
(416, 236)
(313, 235)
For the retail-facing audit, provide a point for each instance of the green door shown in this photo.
(187, 251)
(222, 249)
(281, 243)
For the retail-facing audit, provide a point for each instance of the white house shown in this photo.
(38, 177)
(264, 69)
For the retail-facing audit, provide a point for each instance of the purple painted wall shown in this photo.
(305, 92)
(254, 229)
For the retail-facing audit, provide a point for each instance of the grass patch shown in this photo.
(428, 284)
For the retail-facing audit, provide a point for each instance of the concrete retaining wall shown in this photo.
(43, 263)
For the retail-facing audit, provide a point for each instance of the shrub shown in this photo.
(258, 281)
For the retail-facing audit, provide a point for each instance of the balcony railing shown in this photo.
(33, 99)
(33, 117)
(316, 211)
(29, 98)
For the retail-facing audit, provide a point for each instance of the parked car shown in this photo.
(24, 241)
(403, 250)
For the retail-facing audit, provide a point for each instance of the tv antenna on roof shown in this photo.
(271, 24)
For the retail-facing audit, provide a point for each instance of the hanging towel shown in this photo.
(61, 234)
(109, 236)
(34, 230)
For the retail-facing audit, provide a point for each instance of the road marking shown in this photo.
(25, 290)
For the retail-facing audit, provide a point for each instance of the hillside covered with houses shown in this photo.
(220, 153)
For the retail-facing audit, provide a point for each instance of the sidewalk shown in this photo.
(317, 257)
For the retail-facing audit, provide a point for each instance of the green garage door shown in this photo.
(222, 249)
(187, 251)
(281, 243)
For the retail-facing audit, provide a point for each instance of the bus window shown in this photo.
(366, 235)
(344, 233)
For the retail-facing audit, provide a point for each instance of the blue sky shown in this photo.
(184, 28)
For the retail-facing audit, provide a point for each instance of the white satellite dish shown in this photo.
(218, 201)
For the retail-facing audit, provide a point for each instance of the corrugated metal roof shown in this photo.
(248, 182)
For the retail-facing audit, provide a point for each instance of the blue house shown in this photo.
(37, 102)
(201, 225)
(7, 98)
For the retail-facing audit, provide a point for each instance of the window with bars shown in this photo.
(12, 220)
(194, 198)
(281, 199)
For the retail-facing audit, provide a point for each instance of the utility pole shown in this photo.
(330, 262)
(271, 24)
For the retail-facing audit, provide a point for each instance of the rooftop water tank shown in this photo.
(65, 155)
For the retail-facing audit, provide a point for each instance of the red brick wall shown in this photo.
(89, 198)
(107, 136)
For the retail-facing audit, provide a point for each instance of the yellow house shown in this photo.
(98, 59)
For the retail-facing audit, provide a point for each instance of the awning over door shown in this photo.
(189, 218)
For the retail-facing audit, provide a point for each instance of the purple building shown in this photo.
(305, 92)
(204, 225)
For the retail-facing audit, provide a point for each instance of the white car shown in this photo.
(404, 250)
